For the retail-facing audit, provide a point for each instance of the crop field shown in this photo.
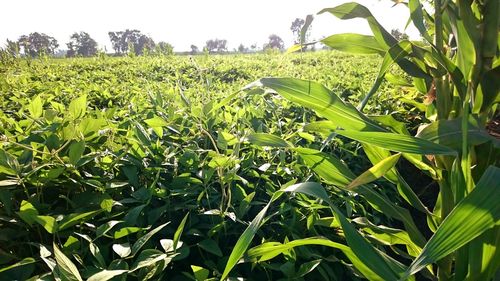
(380, 162)
(107, 151)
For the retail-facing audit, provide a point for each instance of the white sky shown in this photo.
(186, 22)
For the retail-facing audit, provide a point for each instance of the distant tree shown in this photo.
(399, 35)
(12, 47)
(296, 28)
(253, 47)
(242, 49)
(164, 48)
(194, 49)
(131, 41)
(216, 45)
(36, 44)
(275, 42)
(81, 44)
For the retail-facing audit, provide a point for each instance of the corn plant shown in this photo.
(455, 72)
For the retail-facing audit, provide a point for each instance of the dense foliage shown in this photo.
(107, 163)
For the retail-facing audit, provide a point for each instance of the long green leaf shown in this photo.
(375, 172)
(269, 250)
(353, 10)
(244, 241)
(398, 142)
(317, 97)
(354, 43)
(475, 214)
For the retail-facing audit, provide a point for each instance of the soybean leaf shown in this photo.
(200, 273)
(141, 241)
(123, 250)
(384, 267)
(156, 122)
(211, 246)
(67, 268)
(35, 107)
(148, 258)
(73, 219)
(24, 261)
(263, 139)
(78, 107)
(76, 150)
(178, 232)
(105, 275)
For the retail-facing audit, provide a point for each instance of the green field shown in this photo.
(270, 166)
(106, 149)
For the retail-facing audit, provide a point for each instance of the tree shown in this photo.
(131, 40)
(164, 48)
(399, 35)
(216, 45)
(12, 47)
(36, 44)
(275, 42)
(242, 49)
(194, 50)
(81, 44)
(296, 28)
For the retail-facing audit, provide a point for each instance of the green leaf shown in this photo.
(148, 258)
(200, 273)
(123, 250)
(67, 268)
(333, 171)
(354, 43)
(105, 275)
(353, 10)
(178, 232)
(48, 222)
(27, 212)
(315, 96)
(78, 107)
(384, 267)
(122, 232)
(141, 241)
(375, 172)
(211, 246)
(73, 219)
(398, 142)
(475, 214)
(156, 122)
(35, 107)
(244, 241)
(417, 17)
(263, 139)
(24, 261)
(449, 133)
(76, 150)
(269, 250)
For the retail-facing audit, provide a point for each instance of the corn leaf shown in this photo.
(475, 214)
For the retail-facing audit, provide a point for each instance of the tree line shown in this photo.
(134, 42)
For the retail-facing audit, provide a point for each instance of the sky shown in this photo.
(186, 22)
